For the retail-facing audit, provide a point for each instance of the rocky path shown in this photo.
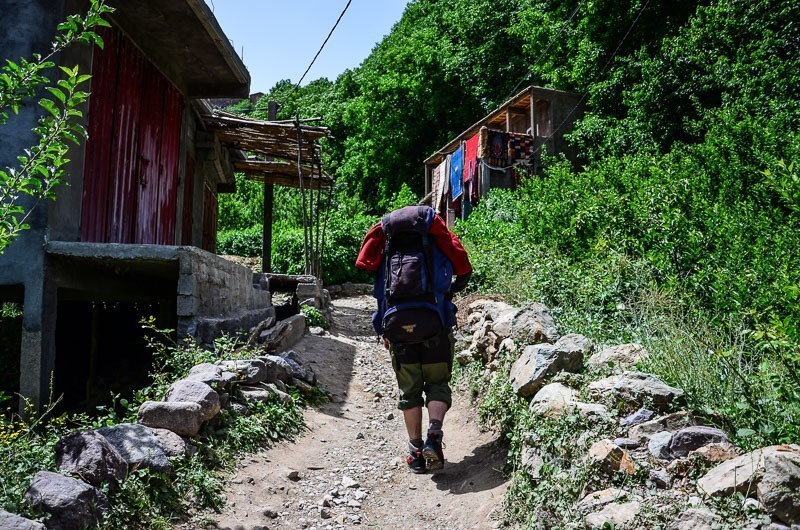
(348, 469)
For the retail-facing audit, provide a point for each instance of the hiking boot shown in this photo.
(415, 460)
(432, 451)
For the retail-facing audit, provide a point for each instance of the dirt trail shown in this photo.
(348, 470)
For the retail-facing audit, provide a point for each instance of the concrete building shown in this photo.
(133, 231)
(501, 148)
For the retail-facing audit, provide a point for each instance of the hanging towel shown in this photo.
(442, 174)
(471, 157)
(520, 147)
(456, 172)
(497, 145)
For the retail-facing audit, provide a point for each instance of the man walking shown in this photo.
(414, 257)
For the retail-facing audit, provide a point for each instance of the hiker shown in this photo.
(414, 257)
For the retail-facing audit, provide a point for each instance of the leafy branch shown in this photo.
(42, 166)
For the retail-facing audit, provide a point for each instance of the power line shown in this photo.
(297, 86)
(541, 55)
(566, 119)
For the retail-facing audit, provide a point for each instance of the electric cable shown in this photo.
(297, 86)
(541, 55)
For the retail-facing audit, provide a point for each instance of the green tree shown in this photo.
(41, 166)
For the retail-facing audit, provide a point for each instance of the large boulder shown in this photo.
(623, 356)
(137, 445)
(669, 422)
(71, 503)
(195, 392)
(691, 438)
(172, 443)
(637, 389)
(299, 369)
(91, 456)
(181, 417)
(533, 324)
(211, 374)
(538, 362)
(658, 445)
(779, 488)
(247, 371)
(12, 521)
(742, 473)
(285, 333)
(553, 400)
(556, 399)
(278, 369)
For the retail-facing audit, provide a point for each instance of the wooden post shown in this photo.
(266, 249)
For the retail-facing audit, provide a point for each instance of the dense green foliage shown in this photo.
(681, 228)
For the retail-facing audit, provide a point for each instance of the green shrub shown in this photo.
(246, 243)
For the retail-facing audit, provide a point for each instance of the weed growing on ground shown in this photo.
(314, 317)
(147, 499)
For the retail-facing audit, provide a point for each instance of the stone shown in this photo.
(181, 417)
(137, 445)
(263, 393)
(489, 309)
(691, 438)
(640, 416)
(532, 463)
(623, 356)
(211, 374)
(553, 400)
(532, 324)
(278, 369)
(90, 456)
(12, 521)
(779, 488)
(464, 357)
(596, 500)
(594, 411)
(679, 467)
(347, 482)
(299, 370)
(697, 519)
(670, 422)
(621, 516)
(658, 445)
(70, 502)
(247, 371)
(660, 478)
(172, 443)
(195, 392)
(636, 389)
(715, 453)
(611, 458)
(627, 443)
(541, 361)
(284, 334)
(742, 473)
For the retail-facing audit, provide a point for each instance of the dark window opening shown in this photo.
(10, 344)
(101, 350)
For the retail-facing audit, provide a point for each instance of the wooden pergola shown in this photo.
(280, 153)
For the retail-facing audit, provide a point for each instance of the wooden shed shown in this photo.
(499, 148)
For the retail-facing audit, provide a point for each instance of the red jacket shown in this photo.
(374, 246)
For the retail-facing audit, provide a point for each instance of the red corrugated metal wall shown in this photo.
(130, 179)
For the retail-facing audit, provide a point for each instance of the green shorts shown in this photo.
(424, 368)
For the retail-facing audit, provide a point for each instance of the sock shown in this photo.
(416, 442)
(435, 427)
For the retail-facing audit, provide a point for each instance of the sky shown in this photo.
(279, 38)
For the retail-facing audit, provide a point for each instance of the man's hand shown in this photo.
(386, 343)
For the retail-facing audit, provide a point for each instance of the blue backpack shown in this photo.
(413, 280)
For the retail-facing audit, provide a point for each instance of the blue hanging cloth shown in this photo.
(456, 172)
